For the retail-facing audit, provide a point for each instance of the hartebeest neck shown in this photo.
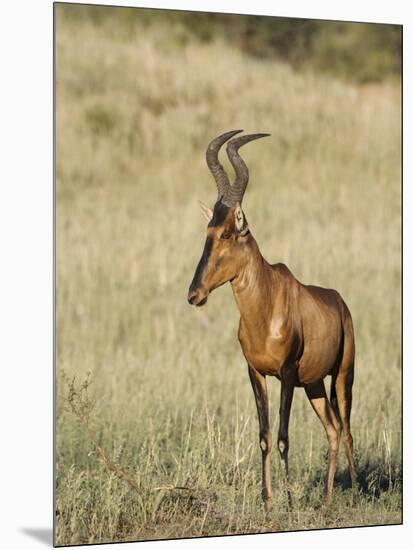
(253, 286)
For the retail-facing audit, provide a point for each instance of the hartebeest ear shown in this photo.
(240, 222)
(207, 212)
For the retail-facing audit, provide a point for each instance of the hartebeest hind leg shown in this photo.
(343, 385)
(342, 390)
(316, 393)
(259, 385)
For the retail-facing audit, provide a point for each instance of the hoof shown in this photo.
(268, 505)
(355, 497)
(266, 498)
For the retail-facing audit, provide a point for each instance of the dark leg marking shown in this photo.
(288, 378)
(259, 386)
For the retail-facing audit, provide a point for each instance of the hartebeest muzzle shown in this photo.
(198, 294)
(195, 297)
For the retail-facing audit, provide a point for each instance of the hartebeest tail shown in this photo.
(297, 333)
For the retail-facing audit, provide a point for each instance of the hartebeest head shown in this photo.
(227, 232)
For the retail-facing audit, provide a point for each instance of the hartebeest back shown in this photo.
(298, 333)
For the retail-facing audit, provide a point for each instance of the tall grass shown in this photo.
(174, 407)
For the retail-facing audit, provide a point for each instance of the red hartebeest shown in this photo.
(298, 333)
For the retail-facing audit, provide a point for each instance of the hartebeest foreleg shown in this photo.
(259, 385)
(316, 393)
(288, 378)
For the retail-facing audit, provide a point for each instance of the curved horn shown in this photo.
(237, 190)
(215, 166)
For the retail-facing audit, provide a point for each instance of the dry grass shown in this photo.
(173, 403)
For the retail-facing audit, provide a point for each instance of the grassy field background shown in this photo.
(174, 413)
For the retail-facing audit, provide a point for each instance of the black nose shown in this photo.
(191, 297)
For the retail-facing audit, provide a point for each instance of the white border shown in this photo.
(26, 269)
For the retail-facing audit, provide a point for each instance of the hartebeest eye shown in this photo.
(225, 236)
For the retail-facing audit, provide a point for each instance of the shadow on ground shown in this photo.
(44, 535)
(373, 478)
